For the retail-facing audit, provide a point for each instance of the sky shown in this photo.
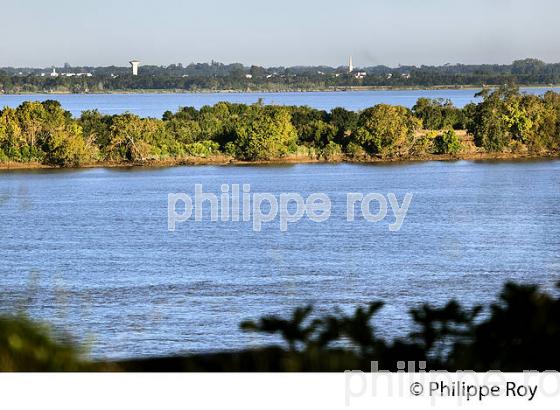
(42, 33)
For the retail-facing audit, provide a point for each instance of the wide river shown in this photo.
(154, 105)
(90, 251)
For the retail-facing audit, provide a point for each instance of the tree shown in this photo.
(508, 120)
(528, 66)
(345, 122)
(96, 127)
(311, 126)
(66, 147)
(263, 133)
(11, 135)
(133, 138)
(437, 114)
(386, 130)
(490, 126)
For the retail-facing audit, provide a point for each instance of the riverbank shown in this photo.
(223, 160)
(44, 135)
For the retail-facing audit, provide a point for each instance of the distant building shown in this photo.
(135, 64)
(54, 73)
(249, 76)
(350, 65)
(360, 75)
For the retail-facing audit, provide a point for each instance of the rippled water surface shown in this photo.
(89, 250)
(154, 105)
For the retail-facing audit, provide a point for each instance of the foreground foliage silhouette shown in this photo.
(25, 345)
(521, 331)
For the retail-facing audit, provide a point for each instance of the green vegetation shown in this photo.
(27, 346)
(437, 114)
(506, 121)
(217, 76)
(447, 143)
(519, 332)
(386, 130)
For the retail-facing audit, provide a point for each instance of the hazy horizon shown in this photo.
(290, 33)
(163, 64)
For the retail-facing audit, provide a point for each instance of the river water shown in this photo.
(90, 251)
(154, 105)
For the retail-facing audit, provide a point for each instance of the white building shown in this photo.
(350, 65)
(135, 64)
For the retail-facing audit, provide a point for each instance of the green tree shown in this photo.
(386, 130)
(96, 127)
(134, 138)
(11, 135)
(263, 133)
(490, 125)
(437, 114)
(66, 147)
(345, 122)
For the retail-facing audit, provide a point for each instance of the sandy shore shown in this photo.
(225, 161)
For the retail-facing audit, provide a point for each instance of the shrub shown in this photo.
(27, 346)
(332, 151)
(202, 148)
(447, 143)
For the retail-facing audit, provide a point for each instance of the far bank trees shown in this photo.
(505, 121)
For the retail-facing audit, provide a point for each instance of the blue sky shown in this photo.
(286, 32)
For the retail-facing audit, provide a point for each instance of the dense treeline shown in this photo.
(521, 331)
(218, 76)
(506, 121)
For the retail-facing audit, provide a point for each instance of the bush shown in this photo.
(202, 148)
(355, 151)
(3, 156)
(332, 151)
(447, 143)
(27, 346)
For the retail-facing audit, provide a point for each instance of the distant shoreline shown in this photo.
(289, 90)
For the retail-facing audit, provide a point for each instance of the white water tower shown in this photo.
(135, 64)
